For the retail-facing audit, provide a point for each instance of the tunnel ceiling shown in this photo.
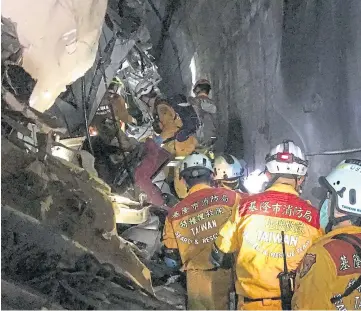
(279, 69)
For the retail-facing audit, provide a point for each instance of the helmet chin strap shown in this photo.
(333, 221)
(299, 187)
(234, 184)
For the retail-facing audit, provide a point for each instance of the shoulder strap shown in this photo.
(155, 110)
(356, 243)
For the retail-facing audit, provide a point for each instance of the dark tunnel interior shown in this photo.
(97, 195)
(280, 70)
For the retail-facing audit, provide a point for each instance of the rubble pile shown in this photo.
(68, 240)
(60, 198)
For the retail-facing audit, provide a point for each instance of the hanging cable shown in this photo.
(115, 123)
(109, 47)
(85, 110)
(334, 152)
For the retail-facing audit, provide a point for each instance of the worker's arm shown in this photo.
(227, 242)
(170, 123)
(120, 109)
(169, 239)
(171, 253)
(313, 281)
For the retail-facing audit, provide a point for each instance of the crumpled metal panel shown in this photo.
(59, 39)
(147, 233)
(10, 45)
(126, 215)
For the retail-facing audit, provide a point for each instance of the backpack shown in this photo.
(186, 113)
(356, 243)
(206, 111)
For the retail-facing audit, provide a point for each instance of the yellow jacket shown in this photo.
(193, 224)
(255, 231)
(169, 121)
(326, 271)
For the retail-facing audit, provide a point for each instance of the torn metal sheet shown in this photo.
(148, 234)
(59, 39)
(43, 122)
(72, 146)
(11, 49)
(126, 215)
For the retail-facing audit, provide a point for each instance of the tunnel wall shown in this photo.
(279, 69)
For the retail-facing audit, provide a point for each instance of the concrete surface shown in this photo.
(279, 69)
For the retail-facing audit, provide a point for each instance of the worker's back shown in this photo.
(193, 224)
(259, 223)
(335, 267)
(207, 113)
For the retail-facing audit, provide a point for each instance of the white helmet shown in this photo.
(344, 182)
(287, 158)
(227, 166)
(195, 163)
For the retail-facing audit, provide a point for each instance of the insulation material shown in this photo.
(59, 39)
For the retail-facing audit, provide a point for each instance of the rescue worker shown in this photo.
(103, 121)
(168, 124)
(229, 173)
(256, 226)
(190, 229)
(331, 269)
(206, 111)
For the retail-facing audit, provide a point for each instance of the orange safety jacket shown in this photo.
(169, 121)
(255, 231)
(193, 224)
(329, 267)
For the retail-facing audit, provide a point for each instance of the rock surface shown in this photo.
(279, 69)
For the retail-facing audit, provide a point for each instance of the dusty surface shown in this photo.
(59, 237)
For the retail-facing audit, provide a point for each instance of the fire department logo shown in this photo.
(307, 263)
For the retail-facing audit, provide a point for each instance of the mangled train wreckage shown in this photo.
(72, 239)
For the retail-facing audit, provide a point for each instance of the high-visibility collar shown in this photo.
(198, 187)
(283, 188)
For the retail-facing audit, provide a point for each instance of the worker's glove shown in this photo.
(158, 139)
(172, 258)
(220, 259)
